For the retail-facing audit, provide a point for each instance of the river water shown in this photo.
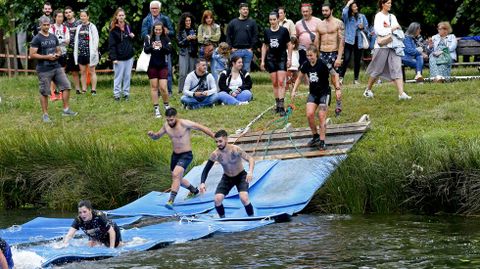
(313, 241)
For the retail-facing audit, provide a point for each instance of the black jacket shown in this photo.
(226, 76)
(120, 44)
(158, 58)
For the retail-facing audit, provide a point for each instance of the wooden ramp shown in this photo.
(291, 143)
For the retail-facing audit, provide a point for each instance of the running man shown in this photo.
(330, 39)
(179, 132)
(95, 224)
(230, 157)
(317, 73)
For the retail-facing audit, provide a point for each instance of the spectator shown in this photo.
(63, 35)
(242, 35)
(443, 45)
(120, 44)
(46, 11)
(355, 23)
(209, 34)
(147, 24)
(292, 71)
(413, 55)
(220, 59)
(188, 44)
(199, 89)
(72, 67)
(275, 58)
(385, 62)
(235, 85)
(287, 23)
(306, 29)
(159, 46)
(85, 51)
(6, 260)
(46, 49)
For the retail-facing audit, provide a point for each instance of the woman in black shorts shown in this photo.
(275, 58)
(158, 45)
(317, 74)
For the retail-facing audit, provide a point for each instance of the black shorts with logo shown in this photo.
(319, 100)
(227, 183)
(181, 159)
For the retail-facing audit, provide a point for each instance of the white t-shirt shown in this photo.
(383, 26)
(235, 83)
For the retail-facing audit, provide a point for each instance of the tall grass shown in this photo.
(104, 155)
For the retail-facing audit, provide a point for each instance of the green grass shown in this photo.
(104, 155)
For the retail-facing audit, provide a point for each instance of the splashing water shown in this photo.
(24, 259)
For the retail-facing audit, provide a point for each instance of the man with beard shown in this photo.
(230, 157)
(179, 132)
(330, 40)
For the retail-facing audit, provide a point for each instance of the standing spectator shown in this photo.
(242, 35)
(6, 260)
(306, 28)
(147, 24)
(71, 23)
(200, 89)
(292, 71)
(209, 34)
(385, 62)
(45, 48)
(443, 45)
(355, 23)
(85, 51)
(413, 55)
(275, 58)
(121, 53)
(235, 85)
(220, 59)
(63, 35)
(287, 23)
(159, 46)
(46, 11)
(188, 44)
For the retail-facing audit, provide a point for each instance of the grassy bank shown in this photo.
(416, 157)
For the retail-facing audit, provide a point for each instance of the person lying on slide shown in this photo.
(95, 224)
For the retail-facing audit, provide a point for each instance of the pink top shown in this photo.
(303, 36)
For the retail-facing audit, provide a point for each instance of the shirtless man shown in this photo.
(230, 157)
(331, 41)
(179, 132)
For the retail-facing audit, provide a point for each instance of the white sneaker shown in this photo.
(368, 93)
(157, 113)
(341, 81)
(404, 96)
(243, 103)
(356, 82)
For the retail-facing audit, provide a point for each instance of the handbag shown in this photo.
(444, 58)
(384, 40)
(142, 62)
(365, 43)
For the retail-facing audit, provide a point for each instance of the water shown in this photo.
(322, 241)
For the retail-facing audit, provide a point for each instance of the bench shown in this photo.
(464, 48)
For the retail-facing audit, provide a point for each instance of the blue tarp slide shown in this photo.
(152, 204)
(44, 229)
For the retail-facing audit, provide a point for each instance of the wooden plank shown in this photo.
(310, 154)
(296, 135)
(332, 126)
(289, 145)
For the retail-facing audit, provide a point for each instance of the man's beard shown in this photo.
(172, 125)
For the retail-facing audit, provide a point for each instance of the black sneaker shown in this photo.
(338, 110)
(282, 112)
(117, 99)
(94, 93)
(126, 97)
(314, 142)
(322, 145)
(78, 92)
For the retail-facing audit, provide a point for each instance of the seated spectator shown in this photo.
(199, 89)
(413, 55)
(444, 45)
(220, 59)
(235, 84)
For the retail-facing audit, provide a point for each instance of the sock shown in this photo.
(193, 189)
(316, 136)
(249, 209)
(65, 109)
(173, 194)
(339, 103)
(220, 210)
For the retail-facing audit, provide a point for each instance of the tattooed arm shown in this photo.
(251, 163)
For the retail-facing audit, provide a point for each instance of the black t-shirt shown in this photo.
(46, 45)
(72, 28)
(96, 228)
(277, 41)
(318, 76)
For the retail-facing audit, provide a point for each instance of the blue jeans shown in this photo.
(122, 75)
(194, 103)
(416, 62)
(227, 99)
(247, 57)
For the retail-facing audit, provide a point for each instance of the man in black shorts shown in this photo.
(46, 49)
(317, 72)
(179, 132)
(96, 225)
(230, 157)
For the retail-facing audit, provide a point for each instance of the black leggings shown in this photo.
(347, 55)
